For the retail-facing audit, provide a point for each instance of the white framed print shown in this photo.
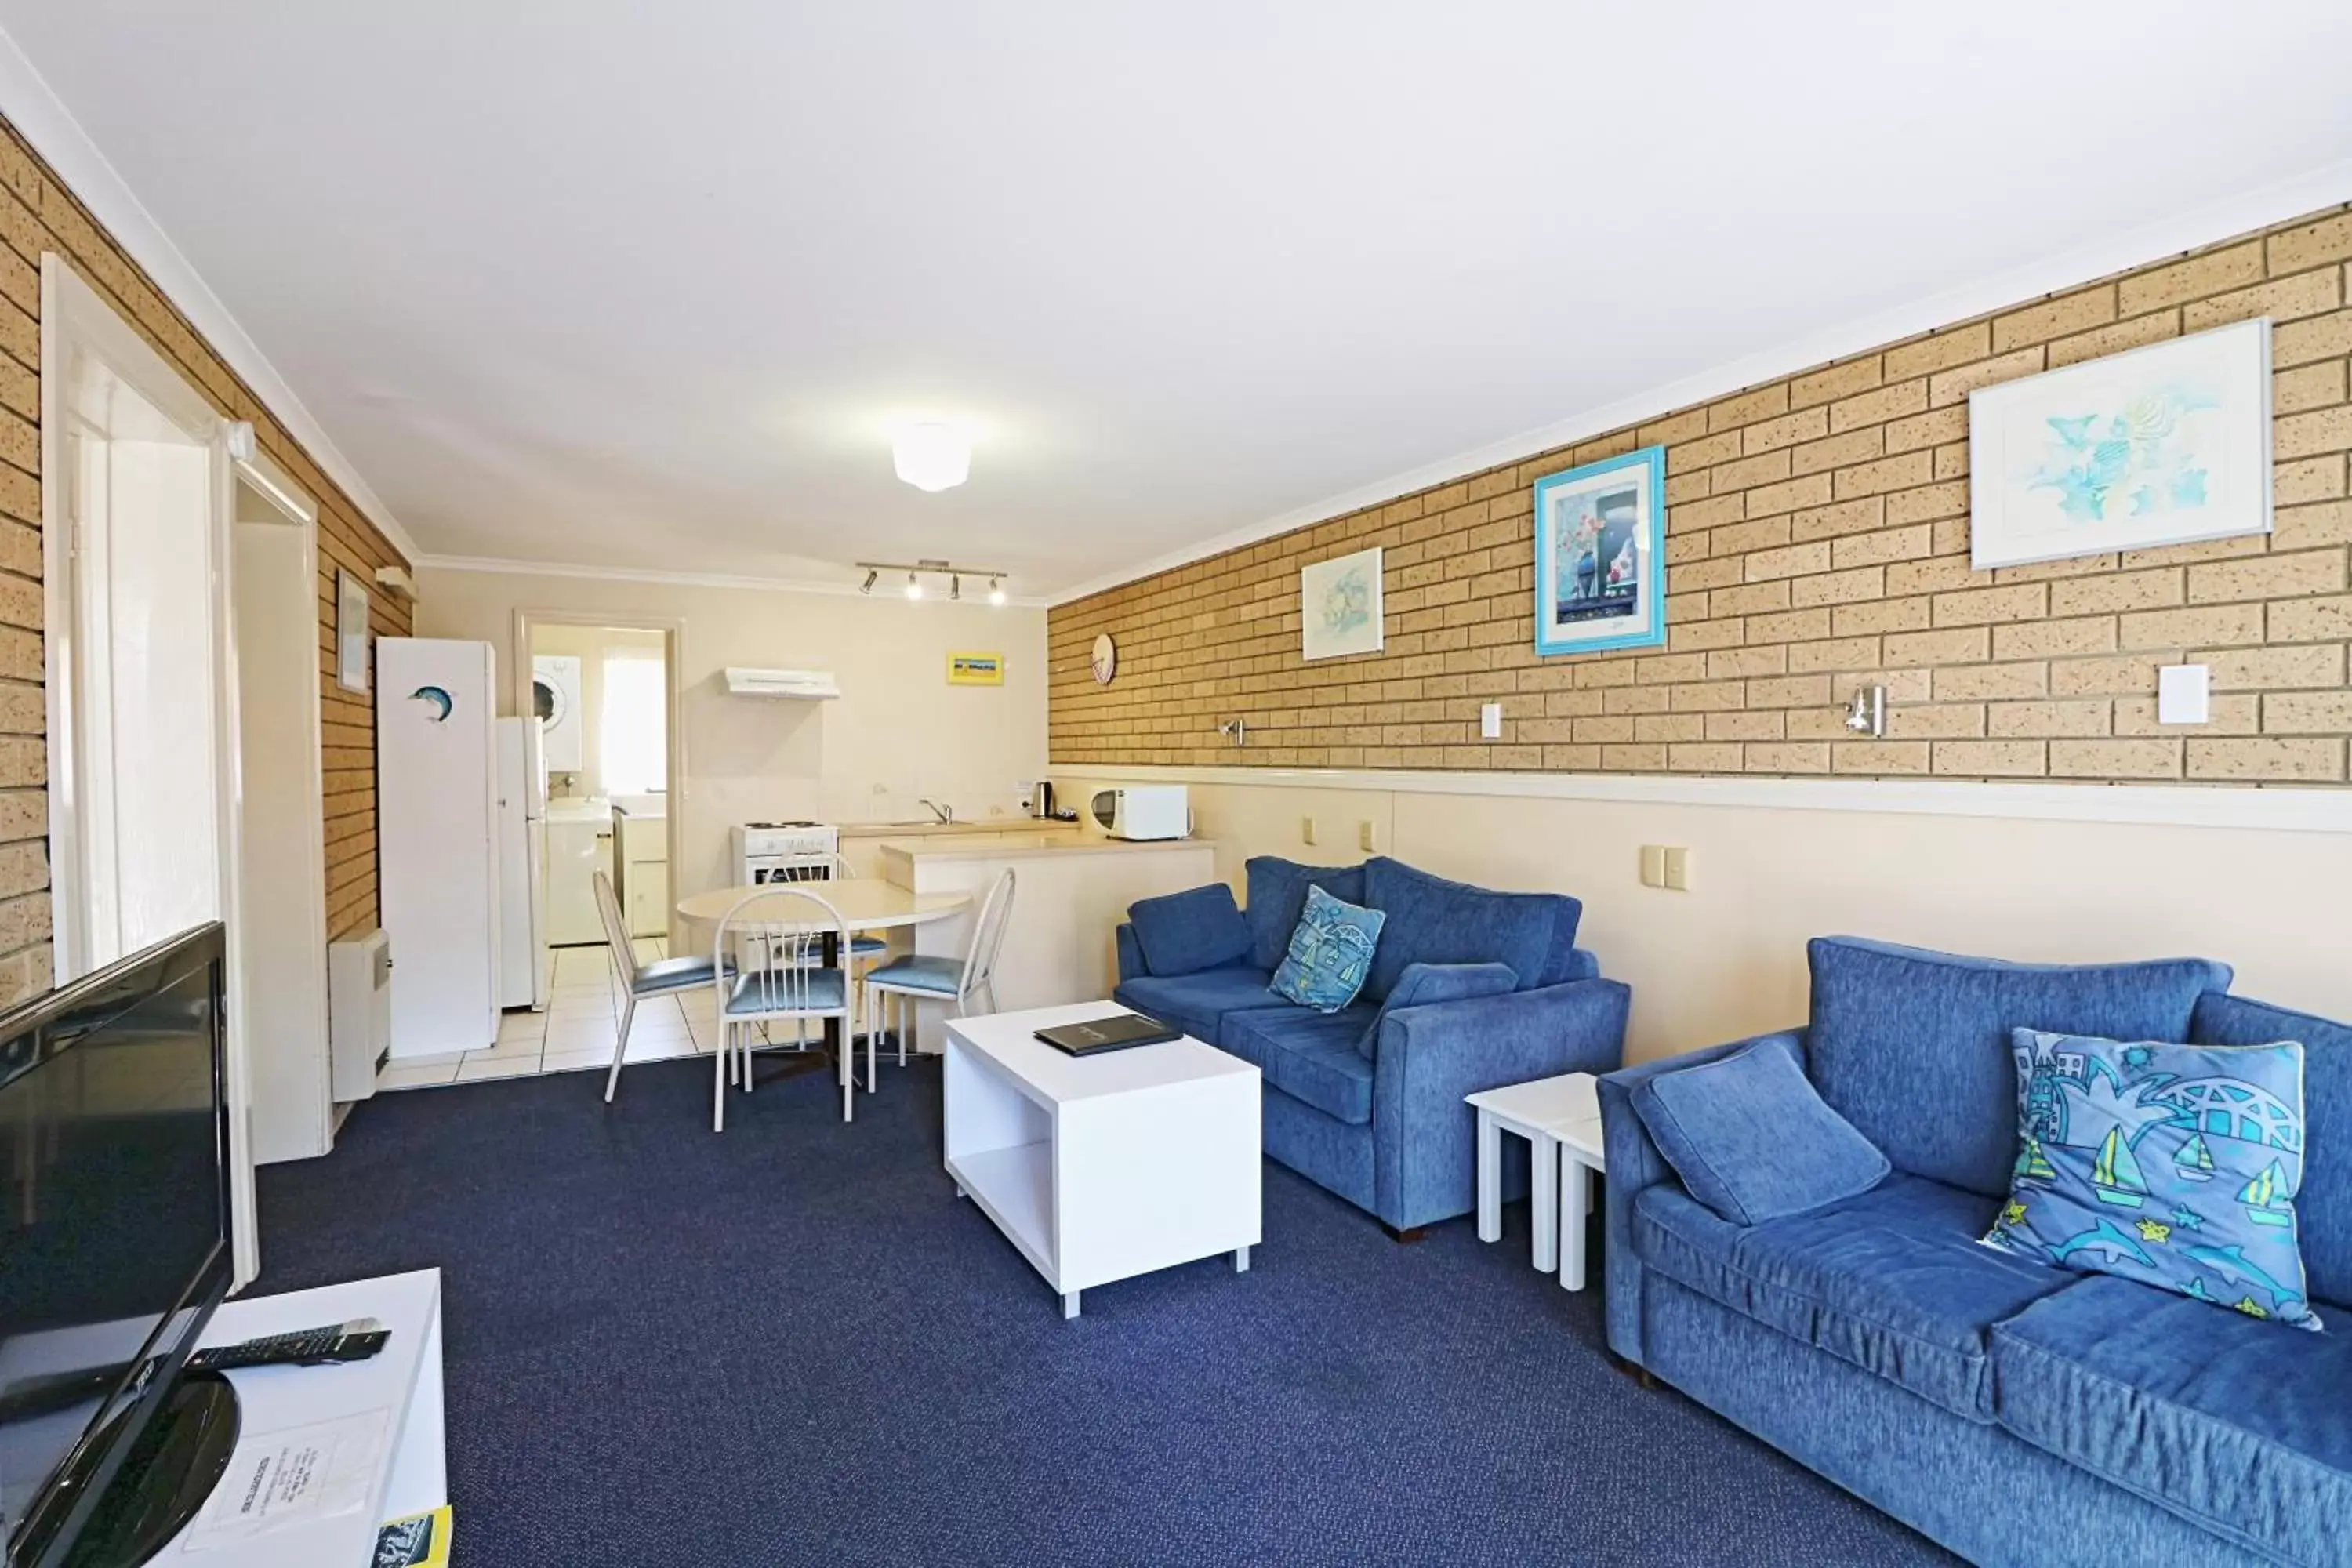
(1601, 549)
(1339, 606)
(2169, 444)
(350, 632)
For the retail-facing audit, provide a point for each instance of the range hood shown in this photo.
(804, 685)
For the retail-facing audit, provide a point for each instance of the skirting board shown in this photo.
(2281, 809)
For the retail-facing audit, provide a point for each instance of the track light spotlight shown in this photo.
(913, 588)
(870, 577)
(995, 592)
(955, 586)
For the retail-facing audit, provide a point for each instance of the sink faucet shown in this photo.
(946, 814)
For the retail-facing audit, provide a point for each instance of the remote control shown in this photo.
(356, 1341)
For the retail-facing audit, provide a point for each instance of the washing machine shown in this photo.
(555, 698)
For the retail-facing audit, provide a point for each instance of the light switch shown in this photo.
(1678, 869)
(1364, 837)
(1654, 864)
(1307, 830)
(1490, 721)
(2184, 694)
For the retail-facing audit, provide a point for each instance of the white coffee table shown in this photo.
(1561, 1119)
(1101, 1168)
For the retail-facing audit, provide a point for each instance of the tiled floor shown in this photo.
(576, 1032)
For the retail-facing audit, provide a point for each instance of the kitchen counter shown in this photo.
(1028, 846)
(952, 829)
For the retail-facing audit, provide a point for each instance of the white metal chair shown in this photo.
(779, 935)
(662, 977)
(928, 977)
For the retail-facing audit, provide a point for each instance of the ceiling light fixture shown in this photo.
(955, 586)
(931, 456)
(917, 571)
(868, 586)
(995, 592)
(913, 588)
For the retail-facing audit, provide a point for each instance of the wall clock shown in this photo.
(1104, 661)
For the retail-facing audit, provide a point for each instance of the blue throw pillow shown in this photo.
(1423, 984)
(1330, 952)
(1277, 897)
(1439, 920)
(2173, 1165)
(1183, 933)
(1752, 1140)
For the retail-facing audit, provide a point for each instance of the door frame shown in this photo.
(77, 321)
(672, 630)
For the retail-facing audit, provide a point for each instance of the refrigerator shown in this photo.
(522, 865)
(437, 815)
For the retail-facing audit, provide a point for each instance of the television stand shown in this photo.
(165, 1478)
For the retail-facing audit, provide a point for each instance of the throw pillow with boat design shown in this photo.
(2174, 1165)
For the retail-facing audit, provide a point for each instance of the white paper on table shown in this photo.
(292, 1476)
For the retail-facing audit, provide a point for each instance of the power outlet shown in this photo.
(1654, 864)
(1307, 830)
(1365, 838)
(1678, 869)
(1490, 721)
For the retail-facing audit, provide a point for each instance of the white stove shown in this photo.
(784, 851)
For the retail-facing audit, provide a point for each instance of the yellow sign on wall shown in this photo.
(975, 669)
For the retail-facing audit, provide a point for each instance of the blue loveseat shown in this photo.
(1368, 1101)
(2017, 1412)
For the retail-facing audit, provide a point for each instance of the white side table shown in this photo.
(1561, 1119)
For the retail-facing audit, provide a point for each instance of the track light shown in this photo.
(955, 586)
(995, 592)
(913, 588)
(870, 577)
(917, 571)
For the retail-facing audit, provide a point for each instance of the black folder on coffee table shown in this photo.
(1116, 1033)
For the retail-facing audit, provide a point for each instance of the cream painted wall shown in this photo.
(897, 732)
(1727, 958)
(589, 644)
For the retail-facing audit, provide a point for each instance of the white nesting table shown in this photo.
(1561, 1119)
(1102, 1168)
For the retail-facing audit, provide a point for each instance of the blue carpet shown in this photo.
(790, 1343)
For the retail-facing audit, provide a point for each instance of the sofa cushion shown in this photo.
(1424, 984)
(2324, 1211)
(1197, 1003)
(1330, 952)
(2174, 1165)
(1198, 928)
(1891, 1279)
(1750, 1138)
(1277, 897)
(1913, 1046)
(1433, 921)
(2242, 1428)
(1308, 1055)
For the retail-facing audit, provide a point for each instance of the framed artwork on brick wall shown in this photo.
(1601, 551)
(1339, 606)
(2169, 444)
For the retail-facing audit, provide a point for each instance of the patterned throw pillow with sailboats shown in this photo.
(2173, 1165)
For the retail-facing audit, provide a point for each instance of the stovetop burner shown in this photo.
(783, 825)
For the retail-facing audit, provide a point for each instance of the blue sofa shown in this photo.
(1368, 1101)
(2016, 1412)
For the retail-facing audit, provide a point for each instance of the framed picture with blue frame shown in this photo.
(1601, 555)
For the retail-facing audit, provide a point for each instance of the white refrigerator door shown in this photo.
(436, 787)
(522, 960)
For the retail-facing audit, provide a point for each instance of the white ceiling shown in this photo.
(646, 285)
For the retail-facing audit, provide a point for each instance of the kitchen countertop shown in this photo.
(948, 829)
(1024, 845)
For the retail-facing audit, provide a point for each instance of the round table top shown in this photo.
(865, 903)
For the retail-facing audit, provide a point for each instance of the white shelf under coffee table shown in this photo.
(1104, 1167)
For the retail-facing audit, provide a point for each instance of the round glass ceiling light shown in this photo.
(931, 456)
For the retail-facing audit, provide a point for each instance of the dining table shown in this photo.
(865, 905)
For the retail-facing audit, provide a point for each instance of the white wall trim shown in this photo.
(42, 119)
(848, 589)
(2281, 809)
(2322, 187)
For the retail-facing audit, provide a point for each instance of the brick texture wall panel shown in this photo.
(1816, 541)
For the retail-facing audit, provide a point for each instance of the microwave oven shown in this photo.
(1146, 811)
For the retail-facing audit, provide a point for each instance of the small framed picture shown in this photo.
(975, 669)
(1601, 549)
(351, 633)
(1339, 606)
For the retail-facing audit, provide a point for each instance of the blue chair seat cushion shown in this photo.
(1309, 1055)
(2221, 1418)
(921, 971)
(1200, 928)
(798, 991)
(1198, 1004)
(665, 974)
(1752, 1140)
(867, 946)
(1891, 1279)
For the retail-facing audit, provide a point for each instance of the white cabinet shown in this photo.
(579, 845)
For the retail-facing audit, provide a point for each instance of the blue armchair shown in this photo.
(1368, 1101)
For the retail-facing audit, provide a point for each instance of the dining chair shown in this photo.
(639, 979)
(928, 976)
(780, 932)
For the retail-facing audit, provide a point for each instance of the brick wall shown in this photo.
(1817, 539)
(38, 214)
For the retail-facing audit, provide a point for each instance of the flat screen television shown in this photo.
(114, 1251)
